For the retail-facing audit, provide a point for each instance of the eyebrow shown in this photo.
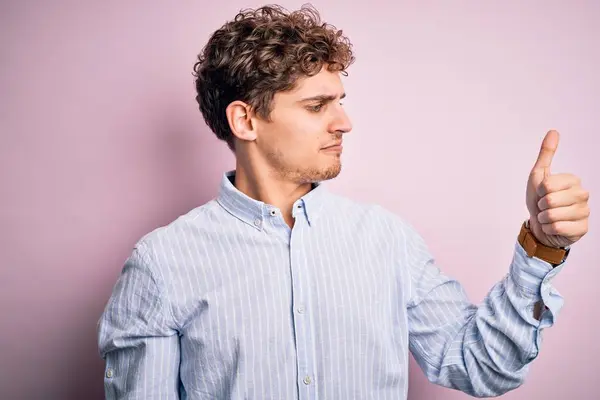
(322, 98)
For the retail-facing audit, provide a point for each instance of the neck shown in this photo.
(265, 185)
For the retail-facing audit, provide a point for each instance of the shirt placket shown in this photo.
(305, 346)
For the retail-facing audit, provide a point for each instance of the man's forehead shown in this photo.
(323, 83)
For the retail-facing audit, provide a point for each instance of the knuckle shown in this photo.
(586, 211)
(546, 185)
(574, 179)
(585, 195)
(546, 228)
(556, 227)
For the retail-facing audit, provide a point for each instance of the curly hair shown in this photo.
(259, 53)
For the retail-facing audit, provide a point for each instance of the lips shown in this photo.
(334, 148)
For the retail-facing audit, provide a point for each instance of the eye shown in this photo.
(316, 108)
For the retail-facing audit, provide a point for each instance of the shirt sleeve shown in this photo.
(483, 350)
(137, 336)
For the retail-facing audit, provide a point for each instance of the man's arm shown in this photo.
(482, 350)
(485, 350)
(138, 337)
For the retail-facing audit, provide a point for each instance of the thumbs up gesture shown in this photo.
(557, 204)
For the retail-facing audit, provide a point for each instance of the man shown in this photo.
(279, 289)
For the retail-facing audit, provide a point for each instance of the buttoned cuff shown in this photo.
(533, 278)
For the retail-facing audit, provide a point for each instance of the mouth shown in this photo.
(334, 148)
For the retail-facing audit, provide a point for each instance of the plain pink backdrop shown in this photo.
(101, 141)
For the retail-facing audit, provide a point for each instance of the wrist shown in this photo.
(535, 248)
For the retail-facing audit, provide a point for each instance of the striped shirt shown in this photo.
(228, 302)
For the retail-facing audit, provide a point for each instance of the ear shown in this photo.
(239, 116)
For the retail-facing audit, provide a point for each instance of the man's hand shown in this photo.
(557, 204)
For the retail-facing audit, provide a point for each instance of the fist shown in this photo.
(558, 205)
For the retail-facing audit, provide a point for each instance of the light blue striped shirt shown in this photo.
(228, 302)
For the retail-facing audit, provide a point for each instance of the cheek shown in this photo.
(300, 138)
(300, 151)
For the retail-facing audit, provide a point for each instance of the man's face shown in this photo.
(304, 123)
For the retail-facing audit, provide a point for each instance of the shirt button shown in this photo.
(109, 373)
(307, 380)
(300, 309)
(545, 289)
(257, 222)
(273, 213)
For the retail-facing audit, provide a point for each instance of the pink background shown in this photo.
(101, 141)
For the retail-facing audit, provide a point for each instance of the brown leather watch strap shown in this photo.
(534, 248)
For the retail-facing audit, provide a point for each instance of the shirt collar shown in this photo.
(253, 212)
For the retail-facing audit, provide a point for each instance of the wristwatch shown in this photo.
(533, 248)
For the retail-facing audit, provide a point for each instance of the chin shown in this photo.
(312, 174)
(324, 174)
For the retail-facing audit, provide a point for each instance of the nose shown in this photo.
(341, 122)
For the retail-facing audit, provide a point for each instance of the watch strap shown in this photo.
(534, 248)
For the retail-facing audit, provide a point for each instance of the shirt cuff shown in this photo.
(533, 277)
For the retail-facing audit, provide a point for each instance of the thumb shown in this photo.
(544, 160)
